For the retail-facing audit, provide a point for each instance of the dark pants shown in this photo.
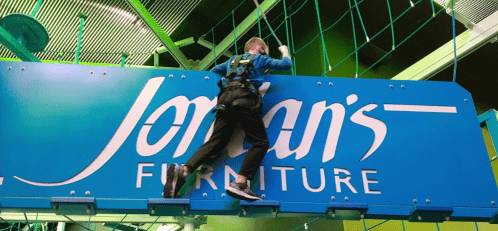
(224, 127)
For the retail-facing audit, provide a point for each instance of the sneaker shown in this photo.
(174, 182)
(241, 191)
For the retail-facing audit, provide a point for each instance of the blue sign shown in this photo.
(382, 147)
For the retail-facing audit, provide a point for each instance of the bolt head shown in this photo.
(72, 192)
(333, 198)
(402, 86)
(183, 76)
(319, 83)
(206, 78)
(263, 196)
(493, 202)
(419, 217)
(87, 193)
(105, 72)
(9, 68)
(428, 201)
(91, 72)
(171, 76)
(22, 68)
(346, 198)
(466, 100)
(223, 195)
(391, 86)
(415, 201)
(330, 84)
(204, 194)
(223, 79)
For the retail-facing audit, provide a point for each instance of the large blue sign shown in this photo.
(109, 133)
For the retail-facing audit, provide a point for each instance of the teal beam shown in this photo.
(239, 31)
(37, 7)
(82, 17)
(123, 59)
(181, 43)
(15, 47)
(159, 32)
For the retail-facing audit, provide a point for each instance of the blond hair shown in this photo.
(253, 43)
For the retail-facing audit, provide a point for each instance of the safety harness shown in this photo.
(238, 92)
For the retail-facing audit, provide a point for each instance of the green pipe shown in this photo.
(123, 58)
(82, 17)
(433, 11)
(37, 7)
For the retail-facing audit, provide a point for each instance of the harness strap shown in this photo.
(235, 65)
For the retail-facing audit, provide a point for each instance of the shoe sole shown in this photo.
(240, 195)
(170, 182)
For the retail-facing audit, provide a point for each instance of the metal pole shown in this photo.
(37, 7)
(82, 17)
(123, 59)
(156, 59)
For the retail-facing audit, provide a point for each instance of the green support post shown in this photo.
(37, 7)
(82, 17)
(156, 59)
(124, 56)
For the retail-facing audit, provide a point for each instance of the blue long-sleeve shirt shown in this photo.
(260, 62)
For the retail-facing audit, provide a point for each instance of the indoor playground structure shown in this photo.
(381, 124)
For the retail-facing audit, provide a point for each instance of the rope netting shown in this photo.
(354, 7)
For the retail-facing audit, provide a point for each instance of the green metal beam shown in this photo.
(181, 43)
(159, 32)
(15, 47)
(210, 45)
(239, 31)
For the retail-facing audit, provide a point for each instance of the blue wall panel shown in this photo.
(382, 143)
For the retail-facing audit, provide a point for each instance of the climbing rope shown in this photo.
(392, 26)
(234, 34)
(306, 224)
(354, 36)
(454, 38)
